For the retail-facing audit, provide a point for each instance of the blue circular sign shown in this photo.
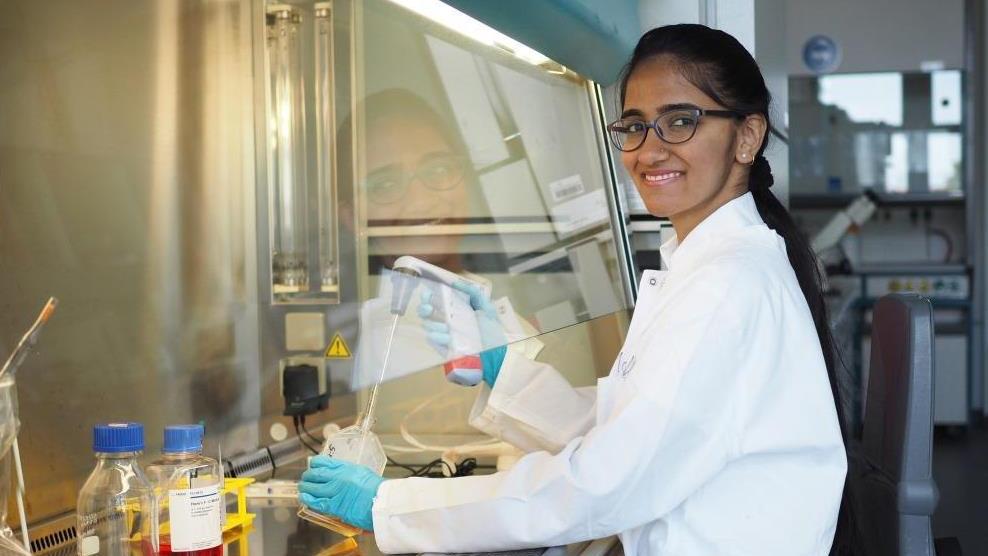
(821, 54)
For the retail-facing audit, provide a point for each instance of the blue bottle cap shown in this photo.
(182, 438)
(118, 437)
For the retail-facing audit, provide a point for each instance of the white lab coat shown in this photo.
(715, 432)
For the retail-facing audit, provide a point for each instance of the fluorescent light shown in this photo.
(469, 27)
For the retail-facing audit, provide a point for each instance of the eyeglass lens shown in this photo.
(677, 126)
(390, 183)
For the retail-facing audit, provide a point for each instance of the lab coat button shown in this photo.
(652, 281)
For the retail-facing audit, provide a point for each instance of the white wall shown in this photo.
(890, 35)
(769, 33)
(655, 13)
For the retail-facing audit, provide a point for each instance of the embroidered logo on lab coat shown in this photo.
(625, 364)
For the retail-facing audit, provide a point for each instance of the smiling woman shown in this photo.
(716, 431)
(692, 166)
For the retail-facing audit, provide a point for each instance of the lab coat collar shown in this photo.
(732, 217)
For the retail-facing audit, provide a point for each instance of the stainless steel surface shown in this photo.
(127, 165)
(54, 536)
(278, 531)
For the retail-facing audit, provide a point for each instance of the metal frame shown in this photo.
(618, 210)
(974, 176)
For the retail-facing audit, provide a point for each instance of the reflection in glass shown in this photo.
(946, 97)
(896, 168)
(944, 150)
(421, 401)
(897, 133)
(287, 151)
(438, 171)
(482, 162)
(445, 146)
(871, 97)
(427, 196)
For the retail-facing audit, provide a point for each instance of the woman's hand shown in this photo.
(342, 489)
(491, 332)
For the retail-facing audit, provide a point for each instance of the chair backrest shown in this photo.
(897, 491)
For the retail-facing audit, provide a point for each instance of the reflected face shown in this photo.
(412, 173)
(687, 181)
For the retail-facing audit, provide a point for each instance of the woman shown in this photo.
(716, 431)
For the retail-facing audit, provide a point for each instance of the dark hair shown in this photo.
(717, 64)
(389, 105)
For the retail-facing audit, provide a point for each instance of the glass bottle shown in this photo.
(115, 512)
(187, 486)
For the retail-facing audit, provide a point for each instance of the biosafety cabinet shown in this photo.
(217, 191)
(389, 128)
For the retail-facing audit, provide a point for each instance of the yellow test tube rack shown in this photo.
(237, 487)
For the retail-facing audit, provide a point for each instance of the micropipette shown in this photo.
(359, 444)
(451, 307)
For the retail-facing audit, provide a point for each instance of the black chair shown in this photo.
(895, 493)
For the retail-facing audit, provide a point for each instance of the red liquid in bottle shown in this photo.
(166, 548)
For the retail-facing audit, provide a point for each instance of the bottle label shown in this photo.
(88, 546)
(196, 517)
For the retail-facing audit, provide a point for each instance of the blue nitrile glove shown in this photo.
(491, 331)
(342, 489)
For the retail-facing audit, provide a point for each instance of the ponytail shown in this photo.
(804, 264)
(801, 258)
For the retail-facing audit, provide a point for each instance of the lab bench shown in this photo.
(276, 530)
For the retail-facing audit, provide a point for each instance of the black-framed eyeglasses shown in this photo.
(389, 184)
(672, 126)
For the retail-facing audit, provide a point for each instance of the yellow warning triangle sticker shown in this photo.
(338, 349)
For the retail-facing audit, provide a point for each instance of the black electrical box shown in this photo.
(300, 385)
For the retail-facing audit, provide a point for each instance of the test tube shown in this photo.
(326, 149)
(287, 168)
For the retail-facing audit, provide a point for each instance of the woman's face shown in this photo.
(687, 181)
(414, 177)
